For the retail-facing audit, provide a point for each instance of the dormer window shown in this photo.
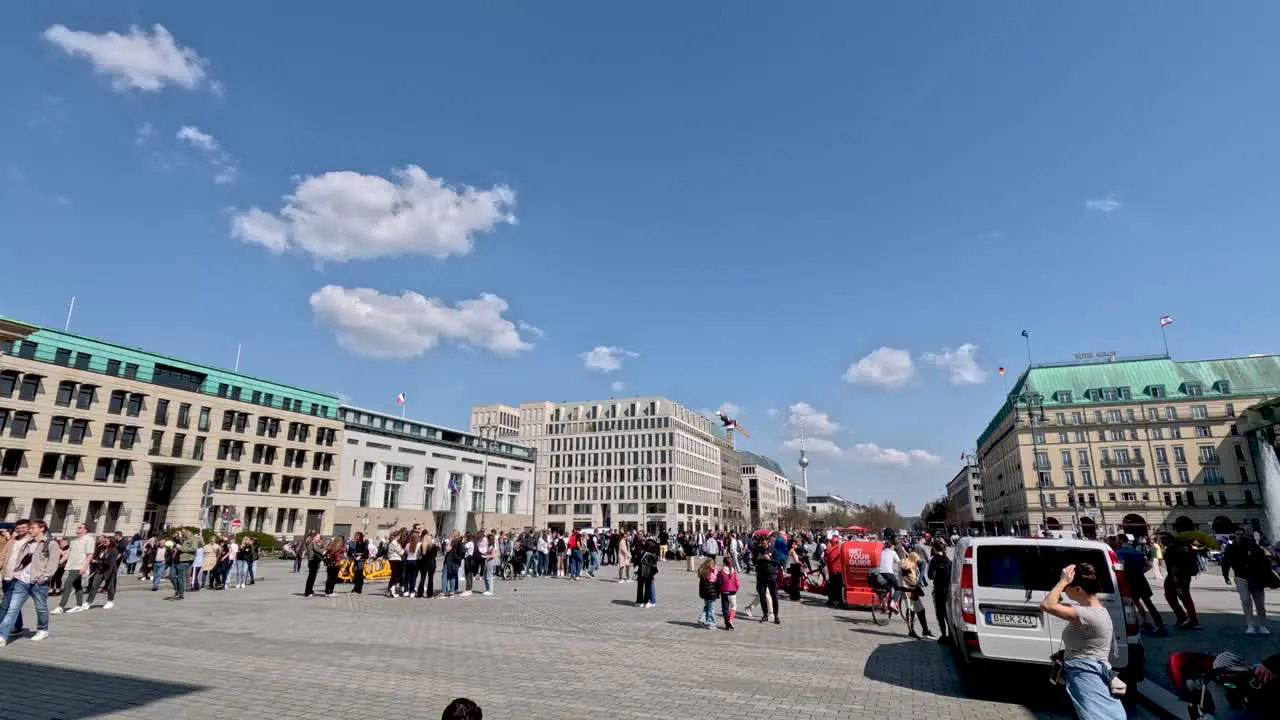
(1091, 394)
(1109, 394)
(1064, 396)
(1155, 391)
(1224, 387)
(1194, 389)
(1124, 393)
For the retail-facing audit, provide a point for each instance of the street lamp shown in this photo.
(1033, 404)
(484, 505)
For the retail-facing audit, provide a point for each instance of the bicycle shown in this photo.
(882, 609)
(509, 571)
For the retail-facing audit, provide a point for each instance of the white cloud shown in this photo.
(604, 358)
(886, 367)
(136, 61)
(818, 445)
(730, 409)
(617, 386)
(1106, 205)
(772, 412)
(960, 364)
(345, 215)
(876, 455)
(224, 165)
(145, 133)
(816, 423)
(372, 324)
(536, 332)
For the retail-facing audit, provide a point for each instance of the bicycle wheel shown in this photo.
(880, 614)
(508, 572)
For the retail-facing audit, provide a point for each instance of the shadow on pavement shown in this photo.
(76, 694)
(627, 603)
(684, 623)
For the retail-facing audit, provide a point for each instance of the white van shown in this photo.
(997, 584)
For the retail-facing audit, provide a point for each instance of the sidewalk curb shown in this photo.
(1163, 703)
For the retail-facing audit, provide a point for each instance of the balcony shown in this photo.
(1126, 463)
(1215, 460)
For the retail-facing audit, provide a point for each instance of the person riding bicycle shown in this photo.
(890, 568)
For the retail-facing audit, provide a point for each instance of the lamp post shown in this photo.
(484, 505)
(1033, 404)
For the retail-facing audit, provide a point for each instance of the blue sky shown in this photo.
(844, 212)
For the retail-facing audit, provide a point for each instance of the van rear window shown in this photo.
(1031, 567)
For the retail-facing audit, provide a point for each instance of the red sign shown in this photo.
(236, 525)
(861, 558)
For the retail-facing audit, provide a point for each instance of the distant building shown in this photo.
(821, 506)
(768, 490)
(965, 493)
(1132, 446)
(733, 500)
(496, 421)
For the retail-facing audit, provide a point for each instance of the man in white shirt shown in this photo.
(79, 553)
(890, 567)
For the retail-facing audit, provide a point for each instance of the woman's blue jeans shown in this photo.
(575, 563)
(242, 572)
(708, 614)
(1089, 687)
(450, 579)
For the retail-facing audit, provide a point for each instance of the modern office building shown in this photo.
(733, 501)
(398, 472)
(495, 420)
(642, 462)
(965, 493)
(128, 440)
(769, 492)
(1134, 445)
(821, 506)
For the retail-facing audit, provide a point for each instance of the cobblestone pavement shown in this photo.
(538, 649)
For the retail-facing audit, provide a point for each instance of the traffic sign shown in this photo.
(236, 525)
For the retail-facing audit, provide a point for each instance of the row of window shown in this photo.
(65, 466)
(101, 517)
(623, 509)
(1175, 498)
(1155, 392)
(1111, 457)
(263, 482)
(628, 492)
(391, 493)
(397, 427)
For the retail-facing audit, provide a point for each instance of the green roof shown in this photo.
(107, 358)
(1254, 376)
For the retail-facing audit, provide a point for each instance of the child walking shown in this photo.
(709, 591)
(728, 591)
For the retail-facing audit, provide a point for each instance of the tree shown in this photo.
(794, 518)
(838, 518)
(941, 510)
(876, 517)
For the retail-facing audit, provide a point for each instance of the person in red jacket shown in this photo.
(835, 573)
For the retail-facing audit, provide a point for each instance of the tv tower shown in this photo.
(804, 457)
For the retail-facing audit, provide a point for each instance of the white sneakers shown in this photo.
(109, 605)
(487, 592)
(40, 635)
(1257, 630)
(56, 611)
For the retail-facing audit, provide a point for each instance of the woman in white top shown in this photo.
(395, 558)
(469, 562)
(1086, 643)
(409, 573)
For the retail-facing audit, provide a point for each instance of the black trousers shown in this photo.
(427, 577)
(313, 567)
(357, 576)
(105, 579)
(767, 586)
(642, 590)
(330, 578)
(796, 572)
(835, 589)
(940, 612)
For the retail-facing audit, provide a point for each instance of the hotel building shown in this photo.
(128, 440)
(1132, 446)
(643, 462)
(398, 472)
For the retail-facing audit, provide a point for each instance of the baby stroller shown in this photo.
(514, 567)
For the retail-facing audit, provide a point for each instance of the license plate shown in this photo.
(1013, 620)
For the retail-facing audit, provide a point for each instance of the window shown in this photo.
(400, 473)
(70, 467)
(202, 424)
(134, 408)
(368, 469)
(428, 494)
(30, 387)
(223, 388)
(1199, 412)
(366, 492)
(128, 436)
(162, 412)
(1064, 396)
(1083, 456)
(11, 462)
(1162, 457)
(1108, 394)
(1179, 455)
(62, 356)
(110, 432)
(103, 470)
(49, 465)
(1230, 410)
(197, 452)
(57, 428)
(1194, 390)
(8, 381)
(1184, 477)
(66, 391)
(1165, 478)
(391, 495)
(79, 428)
(1124, 394)
(184, 415)
(131, 371)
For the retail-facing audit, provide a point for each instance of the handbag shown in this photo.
(1272, 579)
(1058, 669)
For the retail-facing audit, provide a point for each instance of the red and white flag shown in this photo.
(1166, 320)
(400, 399)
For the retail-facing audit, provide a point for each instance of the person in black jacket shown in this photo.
(939, 574)
(646, 570)
(1181, 564)
(428, 552)
(766, 578)
(105, 565)
(1252, 569)
(358, 553)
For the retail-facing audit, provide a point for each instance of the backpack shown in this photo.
(561, 546)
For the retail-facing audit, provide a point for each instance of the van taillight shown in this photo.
(1126, 597)
(966, 594)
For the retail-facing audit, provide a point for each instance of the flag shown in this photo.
(1000, 370)
(1166, 320)
(453, 483)
(1026, 334)
(961, 456)
(400, 399)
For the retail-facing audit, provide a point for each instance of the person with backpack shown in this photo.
(35, 560)
(646, 571)
(1181, 565)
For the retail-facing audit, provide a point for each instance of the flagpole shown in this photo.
(1027, 335)
(238, 348)
(1165, 338)
(67, 327)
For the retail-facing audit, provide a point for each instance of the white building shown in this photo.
(397, 472)
(623, 462)
(769, 491)
(822, 505)
(495, 420)
(965, 492)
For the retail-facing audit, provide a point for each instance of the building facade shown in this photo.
(495, 420)
(820, 506)
(733, 501)
(397, 472)
(123, 439)
(769, 492)
(965, 493)
(642, 462)
(1126, 446)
